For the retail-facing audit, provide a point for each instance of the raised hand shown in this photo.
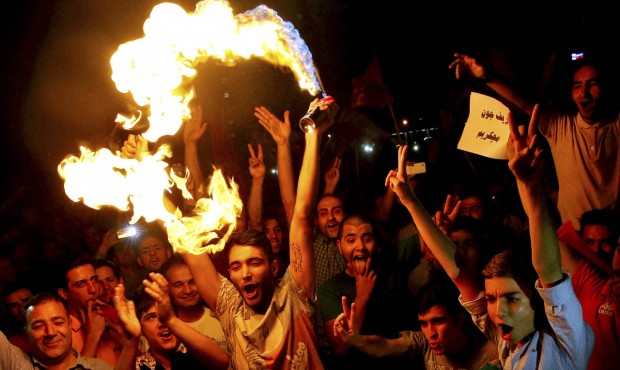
(157, 288)
(126, 312)
(332, 176)
(466, 64)
(365, 279)
(279, 131)
(445, 217)
(522, 150)
(344, 325)
(256, 165)
(397, 179)
(194, 127)
(93, 320)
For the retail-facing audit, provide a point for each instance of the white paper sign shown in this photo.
(486, 130)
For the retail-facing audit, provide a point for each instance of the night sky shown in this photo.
(57, 92)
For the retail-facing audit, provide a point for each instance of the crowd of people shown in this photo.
(317, 279)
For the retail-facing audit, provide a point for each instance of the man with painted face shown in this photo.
(268, 322)
(527, 306)
(357, 244)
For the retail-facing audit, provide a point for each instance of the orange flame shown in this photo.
(158, 71)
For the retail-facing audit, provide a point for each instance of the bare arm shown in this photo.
(442, 247)
(126, 312)
(206, 276)
(526, 165)
(346, 327)
(364, 284)
(201, 347)
(302, 225)
(280, 132)
(255, 199)
(467, 64)
(192, 132)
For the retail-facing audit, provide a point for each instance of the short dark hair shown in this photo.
(516, 263)
(175, 260)
(143, 301)
(81, 260)
(251, 237)
(15, 286)
(439, 291)
(146, 230)
(345, 221)
(332, 195)
(44, 297)
(104, 262)
(602, 216)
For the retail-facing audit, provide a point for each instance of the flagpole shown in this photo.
(395, 124)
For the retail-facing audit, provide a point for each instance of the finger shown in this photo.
(514, 130)
(456, 210)
(287, 120)
(251, 149)
(390, 174)
(367, 265)
(345, 306)
(402, 156)
(260, 152)
(447, 206)
(533, 127)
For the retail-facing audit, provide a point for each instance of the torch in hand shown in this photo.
(315, 116)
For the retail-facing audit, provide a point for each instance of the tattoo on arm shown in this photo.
(296, 257)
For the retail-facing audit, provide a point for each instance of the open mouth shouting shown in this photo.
(251, 291)
(505, 331)
(332, 227)
(166, 334)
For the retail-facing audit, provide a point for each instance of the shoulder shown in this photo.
(93, 363)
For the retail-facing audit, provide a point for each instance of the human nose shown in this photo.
(500, 308)
(92, 287)
(245, 272)
(432, 331)
(50, 330)
(186, 289)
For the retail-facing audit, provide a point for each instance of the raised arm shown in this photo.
(347, 327)
(441, 246)
(332, 176)
(302, 225)
(255, 199)
(205, 275)
(200, 346)
(527, 166)
(465, 64)
(193, 130)
(280, 132)
(130, 324)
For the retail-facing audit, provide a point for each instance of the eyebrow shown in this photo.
(503, 294)
(53, 318)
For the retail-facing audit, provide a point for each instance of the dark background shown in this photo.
(57, 93)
